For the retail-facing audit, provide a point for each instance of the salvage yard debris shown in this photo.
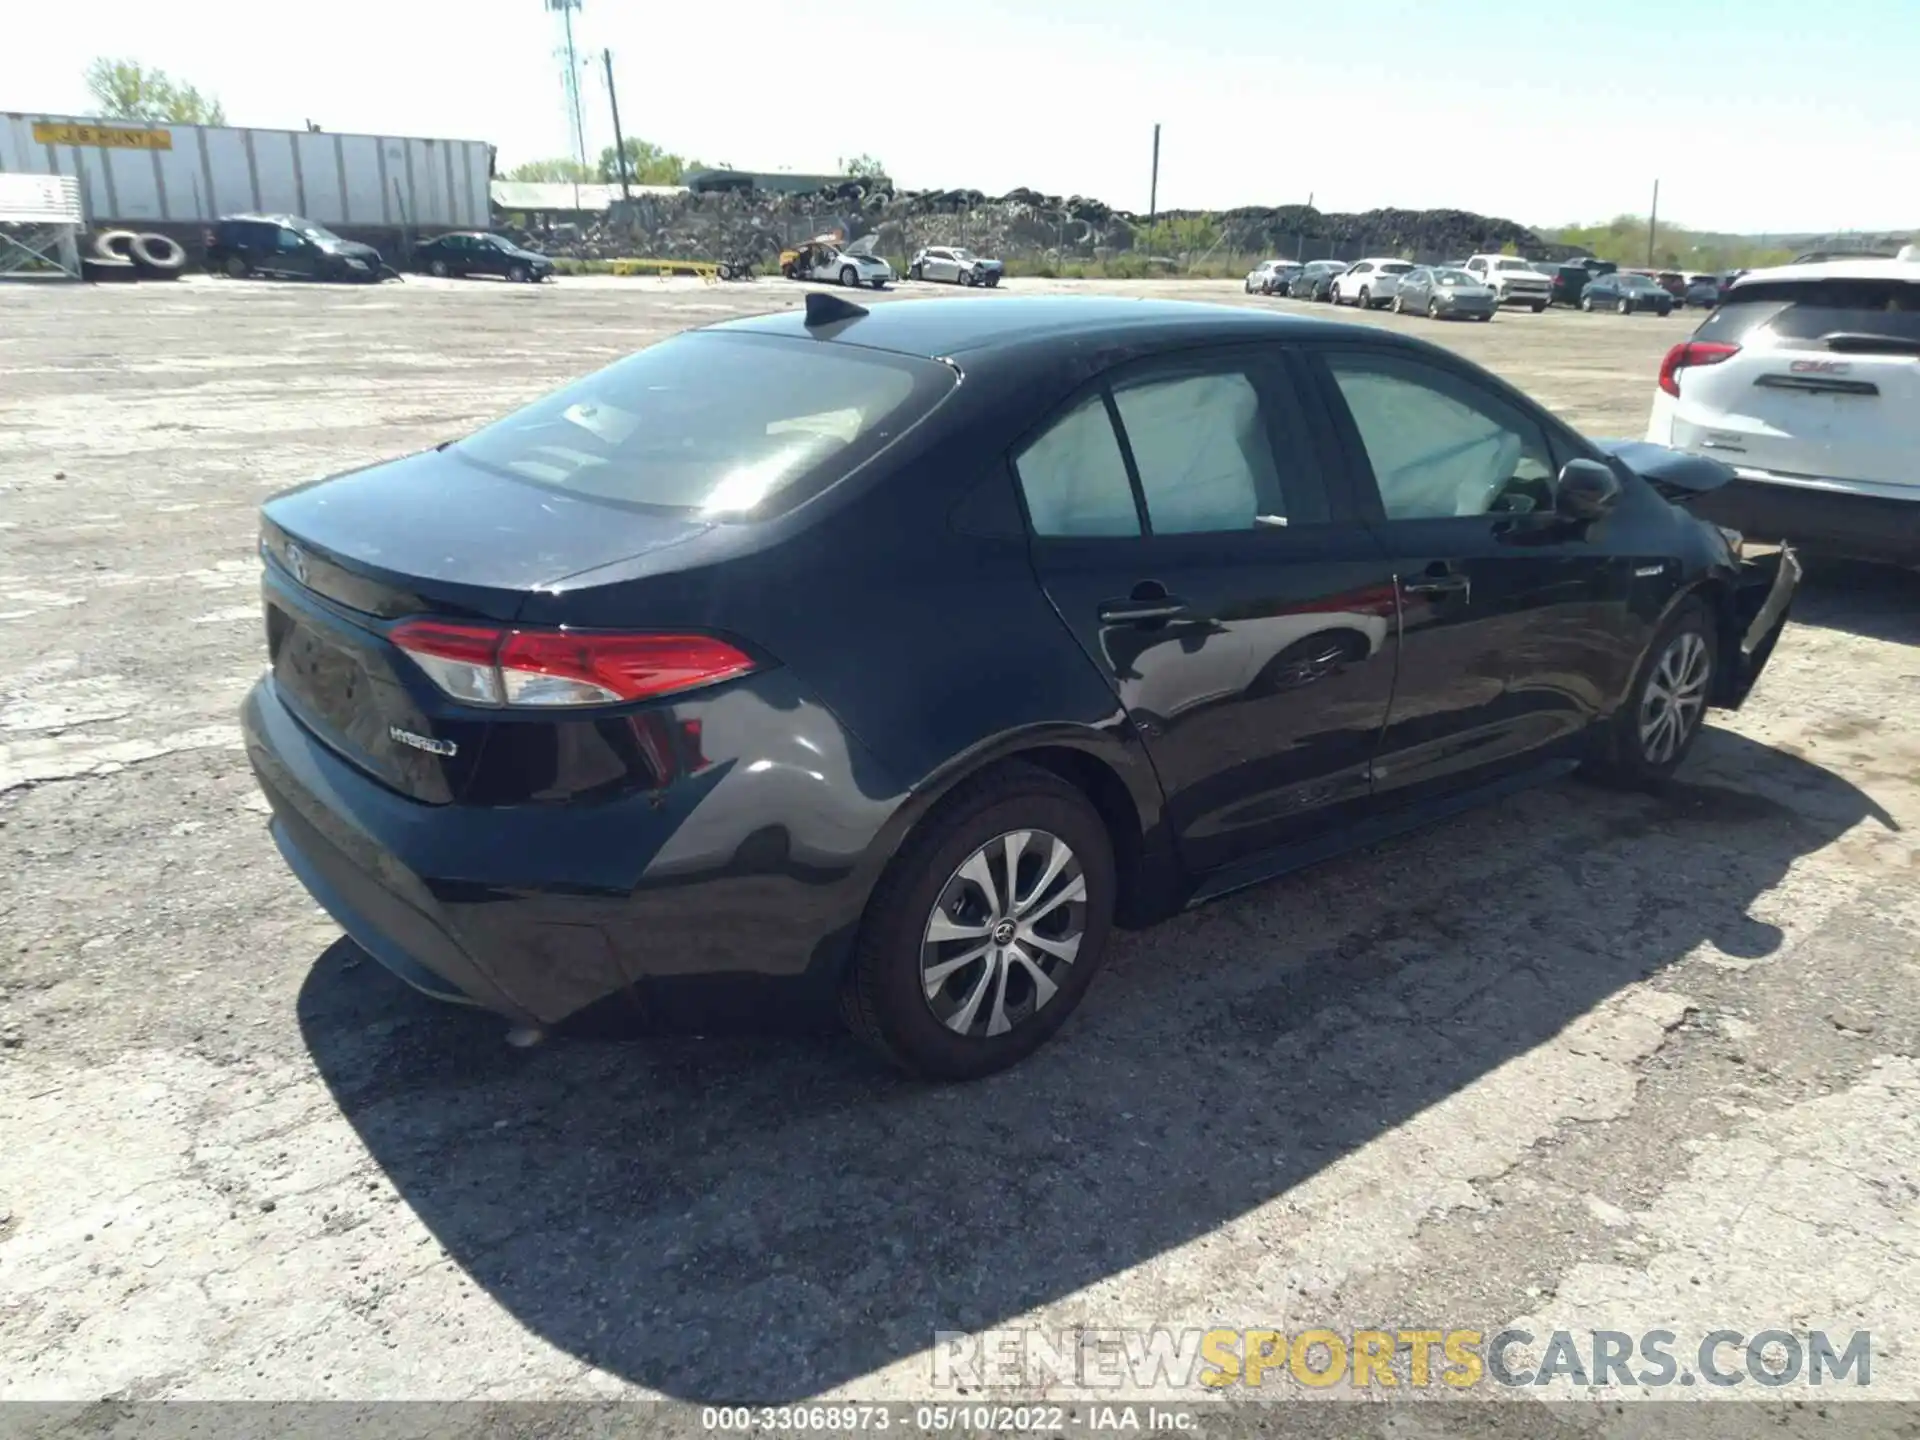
(1021, 223)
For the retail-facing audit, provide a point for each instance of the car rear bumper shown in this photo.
(1762, 598)
(1818, 518)
(539, 912)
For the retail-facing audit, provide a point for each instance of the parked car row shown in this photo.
(291, 247)
(1463, 287)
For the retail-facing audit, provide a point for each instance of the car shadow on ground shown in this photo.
(767, 1216)
(1875, 602)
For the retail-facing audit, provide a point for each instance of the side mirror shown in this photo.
(1588, 490)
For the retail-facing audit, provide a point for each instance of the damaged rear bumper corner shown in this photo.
(1762, 597)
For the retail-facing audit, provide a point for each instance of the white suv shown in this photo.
(1513, 281)
(1806, 379)
(1369, 283)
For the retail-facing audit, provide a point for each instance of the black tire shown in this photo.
(1540, 308)
(1627, 757)
(1484, 318)
(157, 257)
(1586, 303)
(437, 268)
(517, 274)
(883, 999)
(114, 244)
(1626, 306)
(1366, 298)
(238, 267)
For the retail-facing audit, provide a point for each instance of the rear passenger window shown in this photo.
(1075, 478)
(1205, 459)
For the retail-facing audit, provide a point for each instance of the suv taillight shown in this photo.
(540, 669)
(1689, 353)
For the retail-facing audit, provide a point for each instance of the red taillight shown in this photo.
(562, 667)
(1686, 355)
(483, 665)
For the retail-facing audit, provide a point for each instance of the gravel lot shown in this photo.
(1583, 1060)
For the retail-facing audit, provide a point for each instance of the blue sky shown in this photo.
(1755, 115)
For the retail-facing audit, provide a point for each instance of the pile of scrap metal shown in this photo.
(1020, 222)
(133, 255)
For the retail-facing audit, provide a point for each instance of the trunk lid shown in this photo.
(1825, 384)
(427, 535)
(646, 470)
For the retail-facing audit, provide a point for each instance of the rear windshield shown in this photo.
(1770, 311)
(714, 424)
(1395, 269)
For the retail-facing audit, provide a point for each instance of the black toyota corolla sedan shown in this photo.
(894, 657)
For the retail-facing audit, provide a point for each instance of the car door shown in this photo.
(1347, 287)
(293, 253)
(1183, 528)
(1516, 625)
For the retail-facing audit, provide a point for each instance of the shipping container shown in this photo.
(132, 174)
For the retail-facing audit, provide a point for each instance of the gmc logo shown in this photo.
(1819, 367)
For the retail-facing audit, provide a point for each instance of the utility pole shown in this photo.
(1153, 193)
(619, 141)
(1653, 219)
(564, 9)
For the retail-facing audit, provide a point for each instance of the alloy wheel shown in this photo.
(1005, 928)
(1675, 698)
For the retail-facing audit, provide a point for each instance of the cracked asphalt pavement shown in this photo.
(1583, 1060)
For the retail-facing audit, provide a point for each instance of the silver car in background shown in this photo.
(1270, 277)
(1441, 292)
(957, 264)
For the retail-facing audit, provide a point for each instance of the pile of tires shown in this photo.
(124, 255)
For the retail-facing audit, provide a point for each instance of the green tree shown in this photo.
(647, 164)
(864, 167)
(562, 171)
(1623, 240)
(125, 90)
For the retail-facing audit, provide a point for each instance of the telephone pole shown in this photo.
(1653, 219)
(619, 141)
(1153, 193)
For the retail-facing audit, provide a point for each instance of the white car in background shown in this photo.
(823, 258)
(1370, 283)
(1514, 281)
(1270, 277)
(1806, 380)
